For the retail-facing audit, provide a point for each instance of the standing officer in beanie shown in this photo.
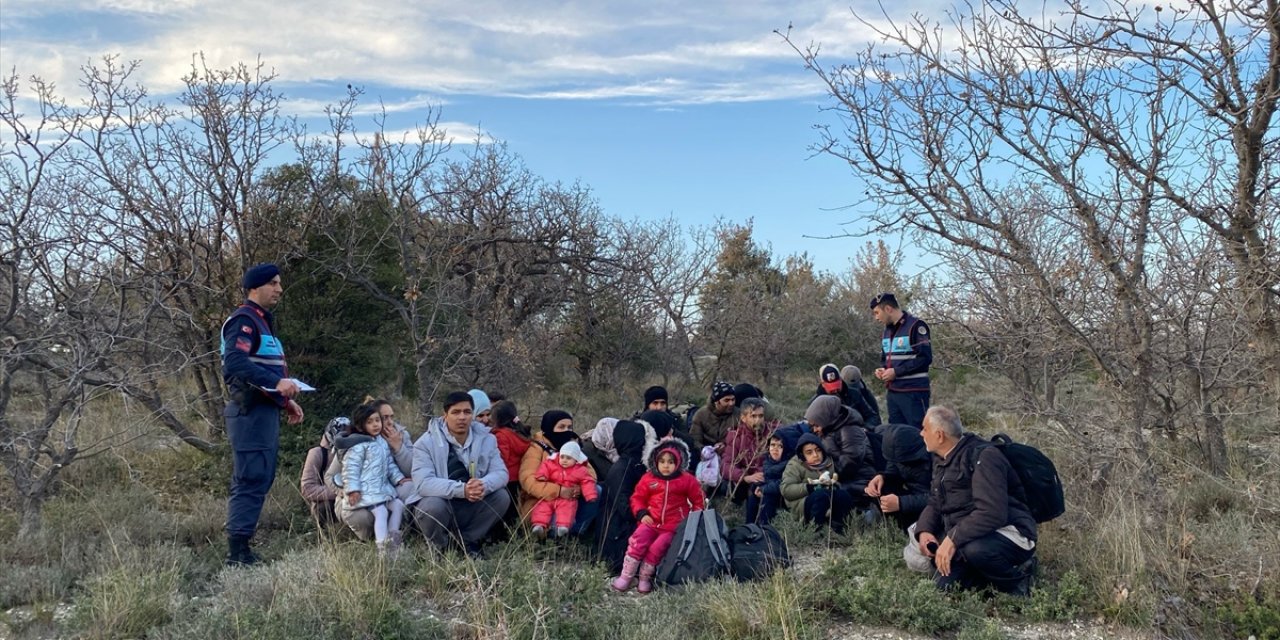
(254, 370)
(906, 354)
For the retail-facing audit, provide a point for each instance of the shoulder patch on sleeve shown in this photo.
(246, 328)
(244, 345)
(924, 330)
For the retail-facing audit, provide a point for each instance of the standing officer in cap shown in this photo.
(254, 370)
(905, 351)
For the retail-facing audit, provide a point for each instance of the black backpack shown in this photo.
(698, 552)
(756, 550)
(1041, 486)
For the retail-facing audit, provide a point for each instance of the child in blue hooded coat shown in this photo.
(765, 497)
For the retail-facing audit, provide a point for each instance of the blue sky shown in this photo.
(696, 110)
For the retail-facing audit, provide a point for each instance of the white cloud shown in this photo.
(310, 107)
(451, 133)
(695, 52)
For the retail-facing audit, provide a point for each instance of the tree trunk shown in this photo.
(1215, 443)
(31, 516)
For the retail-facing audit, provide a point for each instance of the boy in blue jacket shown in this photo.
(766, 497)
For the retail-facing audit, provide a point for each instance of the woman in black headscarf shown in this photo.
(616, 521)
(556, 431)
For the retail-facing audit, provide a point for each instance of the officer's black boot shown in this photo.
(238, 552)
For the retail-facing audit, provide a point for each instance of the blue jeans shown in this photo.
(833, 501)
(761, 510)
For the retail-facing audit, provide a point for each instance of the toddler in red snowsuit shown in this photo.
(663, 498)
(567, 469)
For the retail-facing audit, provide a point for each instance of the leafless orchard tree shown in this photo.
(670, 264)
(1065, 149)
(485, 254)
(74, 309)
(122, 246)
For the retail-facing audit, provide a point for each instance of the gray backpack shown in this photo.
(698, 552)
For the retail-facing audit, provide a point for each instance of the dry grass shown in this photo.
(134, 540)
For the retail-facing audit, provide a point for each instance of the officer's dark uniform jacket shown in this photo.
(905, 349)
(973, 493)
(252, 361)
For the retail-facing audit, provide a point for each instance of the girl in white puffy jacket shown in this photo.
(370, 476)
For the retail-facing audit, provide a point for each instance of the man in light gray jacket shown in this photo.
(460, 477)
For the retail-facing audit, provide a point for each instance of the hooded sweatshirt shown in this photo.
(478, 454)
(667, 499)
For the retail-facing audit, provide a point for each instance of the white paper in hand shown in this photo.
(302, 386)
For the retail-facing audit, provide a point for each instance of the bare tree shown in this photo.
(74, 309)
(1062, 148)
(670, 263)
(171, 189)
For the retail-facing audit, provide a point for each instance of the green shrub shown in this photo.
(1057, 600)
(871, 587)
(986, 629)
(1251, 616)
(326, 591)
(33, 584)
(776, 608)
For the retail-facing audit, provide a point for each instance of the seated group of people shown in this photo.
(626, 484)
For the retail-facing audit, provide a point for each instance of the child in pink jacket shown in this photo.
(567, 469)
(664, 497)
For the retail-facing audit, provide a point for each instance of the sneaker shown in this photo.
(540, 532)
(562, 532)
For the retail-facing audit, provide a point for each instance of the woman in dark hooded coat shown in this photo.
(846, 441)
(616, 520)
(664, 424)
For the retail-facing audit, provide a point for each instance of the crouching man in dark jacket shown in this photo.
(974, 528)
(902, 491)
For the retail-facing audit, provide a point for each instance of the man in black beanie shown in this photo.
(254, 370)
(655, 398)
(712, 423)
